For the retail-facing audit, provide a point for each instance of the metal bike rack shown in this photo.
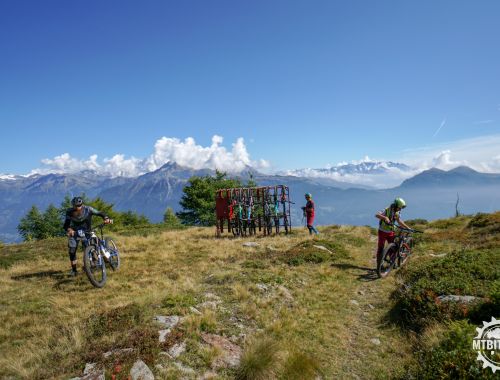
(245, 210)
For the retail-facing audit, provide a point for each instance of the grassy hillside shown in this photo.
(298, 311)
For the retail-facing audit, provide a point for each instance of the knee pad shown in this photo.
(72, 243)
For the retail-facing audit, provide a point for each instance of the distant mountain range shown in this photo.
(364, 167)
(431, 194)
(364, 174)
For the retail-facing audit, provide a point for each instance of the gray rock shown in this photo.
(285, 293)
(163, 334)
(208, 305)
(371, 306)
(99, 375)
(168, 322)
(177, 350)
(90, 368)
(92, 372)
(230, 353)
(322, 248)
(440, 255)
(209, 375)
(211, 296)
(140, 371)
(250, 244)
(194, 310)
(354, 302)
(262, 287)
(375, 341)
(118, 352)
(459, 299)
(184, 369)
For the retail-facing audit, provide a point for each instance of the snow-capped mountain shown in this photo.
(344, 169)
(431, 193)
(364, 173)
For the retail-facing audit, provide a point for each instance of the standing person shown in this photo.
(79, 218)
(309, 211)
(387, 217)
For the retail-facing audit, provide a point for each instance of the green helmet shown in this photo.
(308, 195)
(400, 203)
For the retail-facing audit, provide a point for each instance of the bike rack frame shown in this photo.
(246, 209)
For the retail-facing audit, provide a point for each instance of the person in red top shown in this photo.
(309, 213)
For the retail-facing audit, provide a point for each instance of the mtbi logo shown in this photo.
(487, 344)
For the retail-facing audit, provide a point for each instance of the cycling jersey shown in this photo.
(392, 214)
(81, 220)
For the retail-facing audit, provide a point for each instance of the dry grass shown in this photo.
(52, 324)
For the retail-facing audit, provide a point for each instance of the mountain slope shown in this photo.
(303, 310)
(252, 295)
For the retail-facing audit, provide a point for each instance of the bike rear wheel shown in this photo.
(114, 258)
(94, 266)
(388, 259)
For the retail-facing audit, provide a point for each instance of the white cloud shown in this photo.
(186, 153)
(479, 153)
(444, 161)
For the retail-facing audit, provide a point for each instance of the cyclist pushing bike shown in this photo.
(386, 228)
(77, 224)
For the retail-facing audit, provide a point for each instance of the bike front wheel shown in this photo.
(114, 258)
(94, 266)
(405, 251)
(388, 259)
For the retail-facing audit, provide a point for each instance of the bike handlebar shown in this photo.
(102, 225)
(407, 229)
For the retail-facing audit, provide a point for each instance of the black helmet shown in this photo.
(77, 201)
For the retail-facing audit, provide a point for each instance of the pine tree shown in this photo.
(52, 222)
(31, 225)
(170, 219)
(198, 201)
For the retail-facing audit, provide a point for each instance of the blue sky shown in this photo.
(305, 83)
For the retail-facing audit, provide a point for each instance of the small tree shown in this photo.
(170, 219)
(198, 201)
(53, 223)
(130, 218)
(31, 225)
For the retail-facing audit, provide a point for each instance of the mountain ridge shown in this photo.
(434, 191)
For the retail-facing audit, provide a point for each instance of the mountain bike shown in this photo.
(397, 253)
(99, 250)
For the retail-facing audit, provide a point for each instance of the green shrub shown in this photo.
(412, 222)
(452, 358)
(306, 252)
(459, 273)
(459, 221)
(179, 303)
